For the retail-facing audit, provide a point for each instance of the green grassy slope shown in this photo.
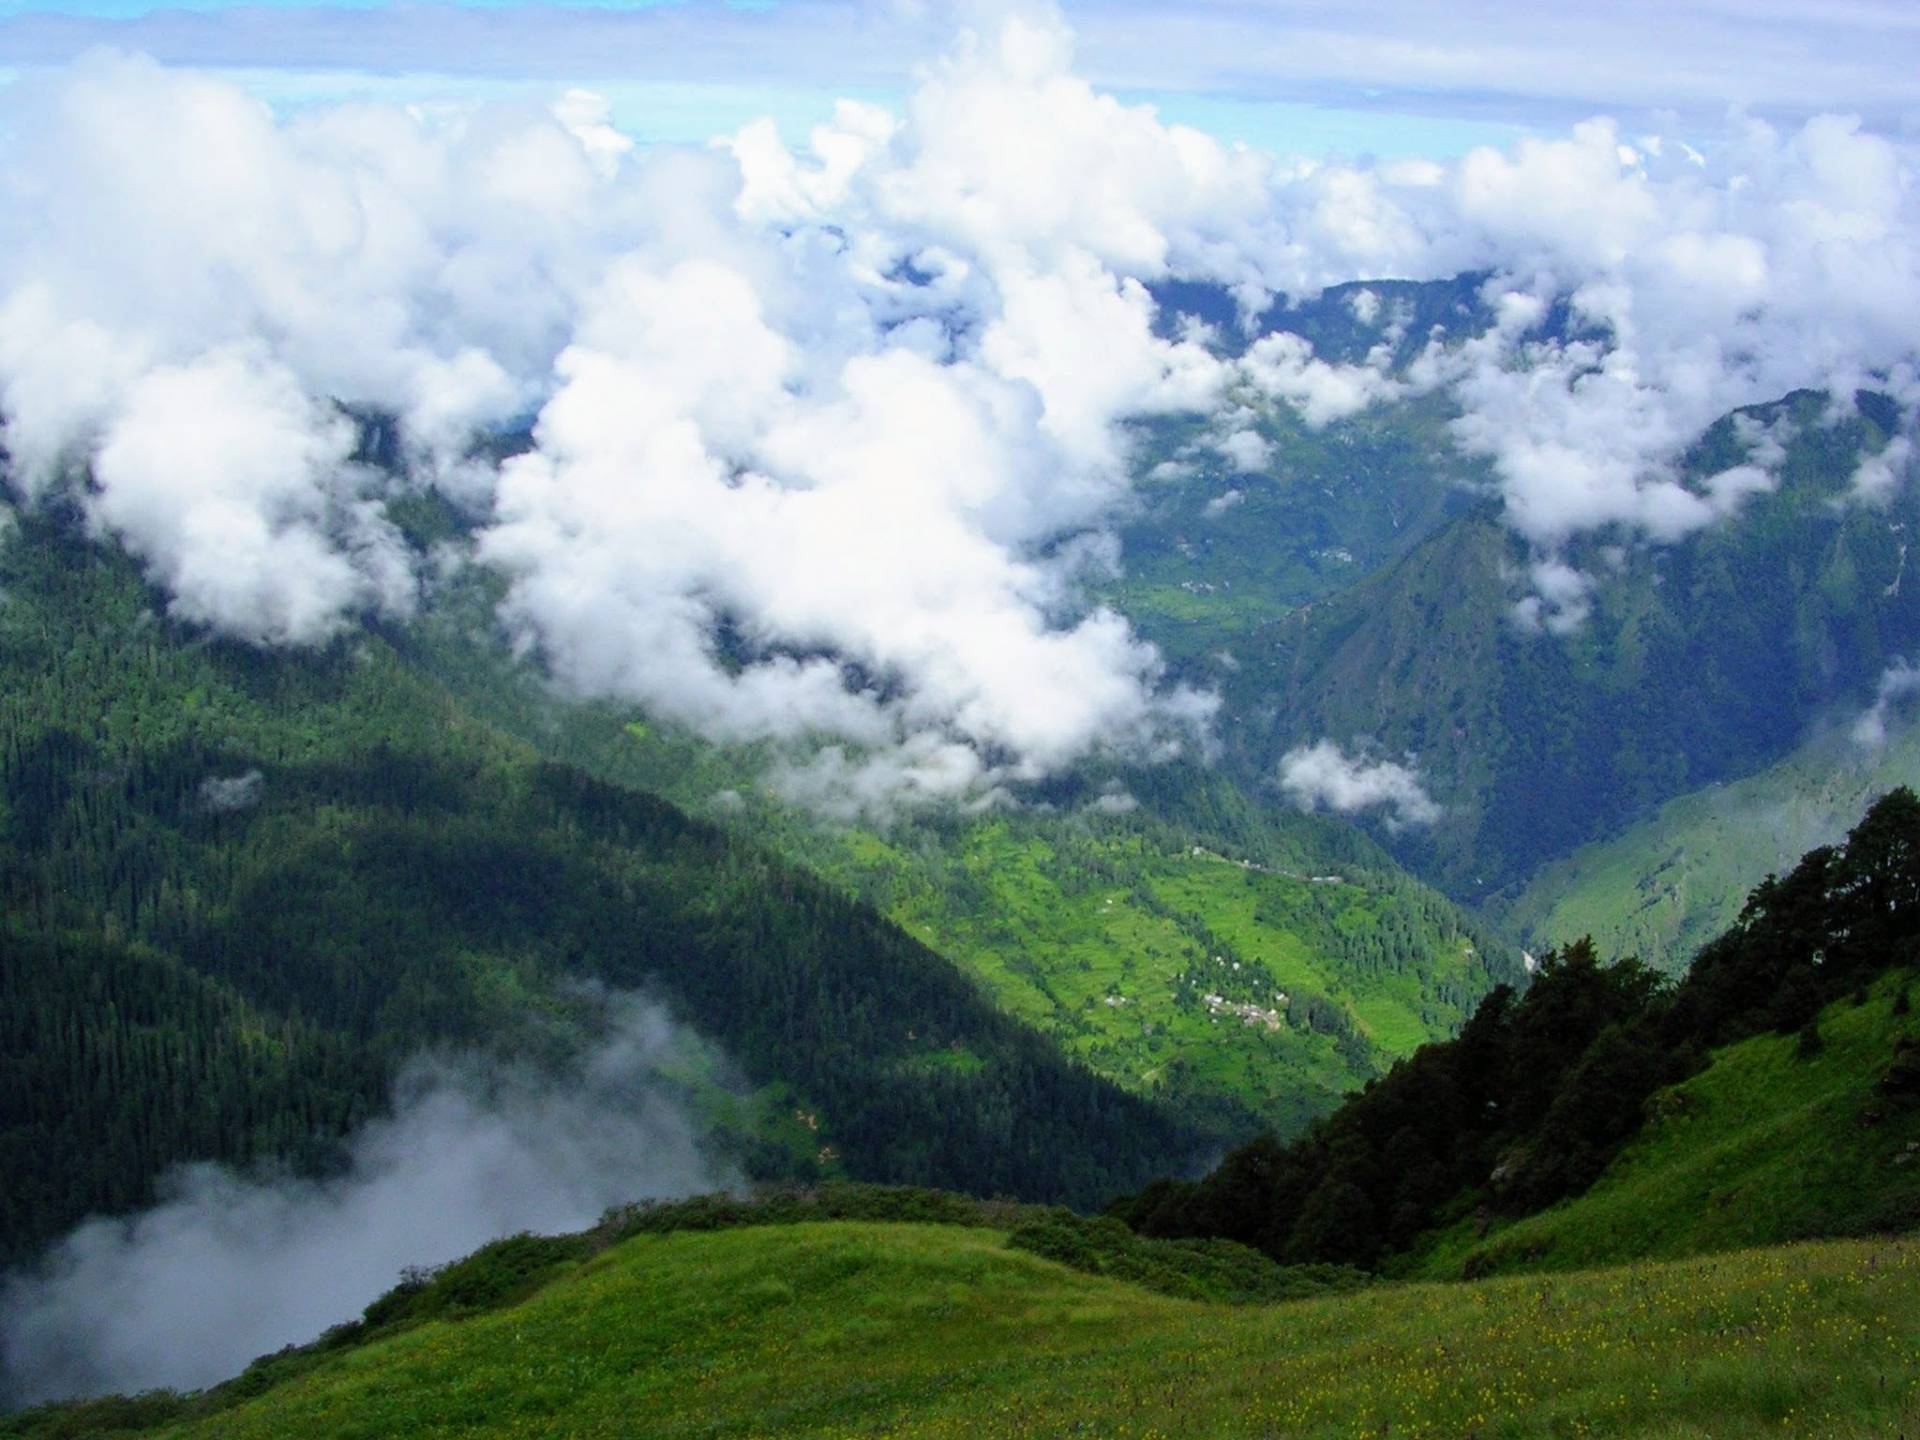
(913, 1330)
(1173, 968)
(1664, 886)
(1765, 1145)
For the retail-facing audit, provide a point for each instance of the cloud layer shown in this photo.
(826, 440)
(229, 1267)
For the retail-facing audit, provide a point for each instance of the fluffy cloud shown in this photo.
(1323, 775)
(1247, 451)
(824, 438)
(1878, 476)
(1283, 367)
(1643, 290)
(821, 441)
(238, 490)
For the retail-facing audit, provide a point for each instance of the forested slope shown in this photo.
(239, 888)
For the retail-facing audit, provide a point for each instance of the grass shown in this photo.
(1765, 1145)
(860, 1329)
(1111, 943)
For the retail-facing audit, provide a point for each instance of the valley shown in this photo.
(1012, 769)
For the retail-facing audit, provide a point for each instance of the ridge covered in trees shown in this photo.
(1542, 1089)
(237, 890)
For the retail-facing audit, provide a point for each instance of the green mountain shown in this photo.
(1664, 886)
(250, 841)
(240, 888)
(1359, 587)
(1175, 933)
(1213, 553)
(1702, 662)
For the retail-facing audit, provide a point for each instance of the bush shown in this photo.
(491, 1278)
(1902, 1080)
(1807, 1041)
(885, 1204)
(1215, 1270)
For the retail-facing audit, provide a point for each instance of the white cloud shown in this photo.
(228, 1267)
(1247, 451)
(588, 117)
(1323, 775)
(1221, 503)
(747, 420)
(1899, 680)
(1560, 602)
(1283, 367)
(222, 794)
(235, 486)
(1692, 288)
(1878, 476)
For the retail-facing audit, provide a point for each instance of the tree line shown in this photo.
(1542, 1089)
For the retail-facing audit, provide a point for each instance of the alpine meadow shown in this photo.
(976, 718)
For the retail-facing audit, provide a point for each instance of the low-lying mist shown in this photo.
(228, 1266)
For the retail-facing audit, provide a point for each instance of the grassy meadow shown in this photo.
(848, 1329)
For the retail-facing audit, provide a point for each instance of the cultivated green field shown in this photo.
(845, 1329)
(1177, 970)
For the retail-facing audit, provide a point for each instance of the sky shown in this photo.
(1379, 77)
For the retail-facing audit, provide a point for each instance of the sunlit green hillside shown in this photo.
(917, 1330)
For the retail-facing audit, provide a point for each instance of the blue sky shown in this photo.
(1352, 77)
